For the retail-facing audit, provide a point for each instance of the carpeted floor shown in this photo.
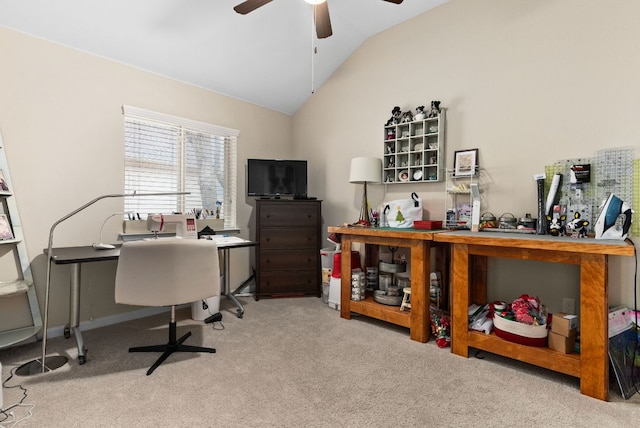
(295, 363)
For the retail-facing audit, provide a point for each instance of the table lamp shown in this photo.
(365, 170)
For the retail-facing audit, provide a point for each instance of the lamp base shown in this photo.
(34, 367)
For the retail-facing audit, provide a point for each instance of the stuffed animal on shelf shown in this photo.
(420, 113)
(407, 117)
(578, 226)
(396, 114)
(555, 225)
(435, 109)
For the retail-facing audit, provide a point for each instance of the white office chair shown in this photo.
(167, 272)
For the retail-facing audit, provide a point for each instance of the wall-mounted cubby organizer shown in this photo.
(414, 151)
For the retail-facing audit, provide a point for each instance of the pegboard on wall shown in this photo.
(612, 171)
(577, 198)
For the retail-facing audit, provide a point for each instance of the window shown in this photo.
(170, 154)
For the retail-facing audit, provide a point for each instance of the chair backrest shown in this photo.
(167, 271)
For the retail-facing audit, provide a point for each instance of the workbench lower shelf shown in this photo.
(373, 309)
(540, 356)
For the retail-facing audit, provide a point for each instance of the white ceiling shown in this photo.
(264, 57)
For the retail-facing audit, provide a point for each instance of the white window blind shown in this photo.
(165, 153)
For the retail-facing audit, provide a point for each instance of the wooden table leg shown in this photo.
(460, 300)
(594, 330)
(420, 316)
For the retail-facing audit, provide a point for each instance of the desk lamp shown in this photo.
(365, 170)
(101, 245)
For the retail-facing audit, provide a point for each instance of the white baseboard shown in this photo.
(110, 320)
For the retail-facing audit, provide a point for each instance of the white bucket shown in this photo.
(334, 293)
(326, 257)
(198, 313)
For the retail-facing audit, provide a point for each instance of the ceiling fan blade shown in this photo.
(249, 6)
(322, 20)
(394, 1)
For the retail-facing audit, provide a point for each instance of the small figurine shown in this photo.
(555, 225)
(391, 133)
(420, 113)
(407, 117)
(441, 329)
(578, 226)
(435, 109)
(396, 113)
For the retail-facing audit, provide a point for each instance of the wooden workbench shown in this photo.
(469, 273)
(419, 242)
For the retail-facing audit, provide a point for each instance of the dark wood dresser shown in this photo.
(289, 234)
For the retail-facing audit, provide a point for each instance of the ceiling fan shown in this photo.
(320, 13)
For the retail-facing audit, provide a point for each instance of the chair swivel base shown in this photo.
(170, 348)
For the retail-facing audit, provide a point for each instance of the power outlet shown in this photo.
(568, 306)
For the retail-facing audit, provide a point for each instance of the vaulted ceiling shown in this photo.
(264, 57)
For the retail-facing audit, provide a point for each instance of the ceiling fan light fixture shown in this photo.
(314, 2)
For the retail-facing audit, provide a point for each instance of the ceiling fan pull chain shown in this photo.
(314, 50)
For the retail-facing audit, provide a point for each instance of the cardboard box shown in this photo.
(562, 323)
(564, 344)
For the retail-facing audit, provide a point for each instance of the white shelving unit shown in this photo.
(16, 281)
(414, 151)
(459, 200)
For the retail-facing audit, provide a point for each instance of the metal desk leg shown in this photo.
(74, 313)
(227, 288)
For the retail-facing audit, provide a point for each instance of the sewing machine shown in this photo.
(185, 224)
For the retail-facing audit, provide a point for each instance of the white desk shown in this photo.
(76, 256)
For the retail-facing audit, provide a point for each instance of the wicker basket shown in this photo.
(524, 334)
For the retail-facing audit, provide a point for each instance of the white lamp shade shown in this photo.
(365, 170)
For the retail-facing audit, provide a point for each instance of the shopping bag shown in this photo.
(401, 213)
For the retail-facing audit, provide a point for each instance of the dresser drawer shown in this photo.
(289, 260)
(288, 282)
(288, 214)
(289, 238)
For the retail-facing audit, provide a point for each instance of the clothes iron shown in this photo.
(614, 219)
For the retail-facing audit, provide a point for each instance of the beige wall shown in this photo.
(526, 82)
(61, 122)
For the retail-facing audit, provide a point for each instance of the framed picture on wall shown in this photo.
(4, 186)
(465, 162)
(5, 228)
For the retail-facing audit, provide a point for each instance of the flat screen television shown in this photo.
(276, 177)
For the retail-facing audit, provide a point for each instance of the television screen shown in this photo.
(276, 177)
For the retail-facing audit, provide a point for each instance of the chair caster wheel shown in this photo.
(82, 359)
(67, 332)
